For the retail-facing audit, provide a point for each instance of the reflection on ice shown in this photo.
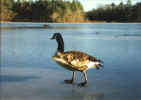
(25, 83)
(98, 96)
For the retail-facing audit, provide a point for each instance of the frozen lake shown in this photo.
(29, 73)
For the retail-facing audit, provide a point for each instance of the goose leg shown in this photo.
(72, 80)
(86, 80)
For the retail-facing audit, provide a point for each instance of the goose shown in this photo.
(74, 60)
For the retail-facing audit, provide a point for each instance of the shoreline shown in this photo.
(74, 22)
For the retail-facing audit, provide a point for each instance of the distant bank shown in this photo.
(62, 11)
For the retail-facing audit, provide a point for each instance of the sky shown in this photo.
(91, 4)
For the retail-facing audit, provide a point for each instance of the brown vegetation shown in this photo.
(62, 11)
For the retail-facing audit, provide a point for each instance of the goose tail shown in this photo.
(100, 64)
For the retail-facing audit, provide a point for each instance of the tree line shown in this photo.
(42, 10)
(67, 11)
(117, 13)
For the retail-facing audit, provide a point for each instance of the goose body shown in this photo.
(74, 60)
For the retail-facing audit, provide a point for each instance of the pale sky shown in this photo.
(90, 4)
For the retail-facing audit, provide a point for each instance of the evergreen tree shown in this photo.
(6, 12)
(67, 11)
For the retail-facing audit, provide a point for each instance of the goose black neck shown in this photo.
(60, 44)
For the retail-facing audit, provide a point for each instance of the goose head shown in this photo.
(58, 37)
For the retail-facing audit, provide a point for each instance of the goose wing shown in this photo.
(78, 55)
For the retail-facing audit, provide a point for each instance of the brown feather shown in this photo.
(81, 56)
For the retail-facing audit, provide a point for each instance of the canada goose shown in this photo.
(74, 60)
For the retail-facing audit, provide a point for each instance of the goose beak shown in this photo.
(52, 38)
